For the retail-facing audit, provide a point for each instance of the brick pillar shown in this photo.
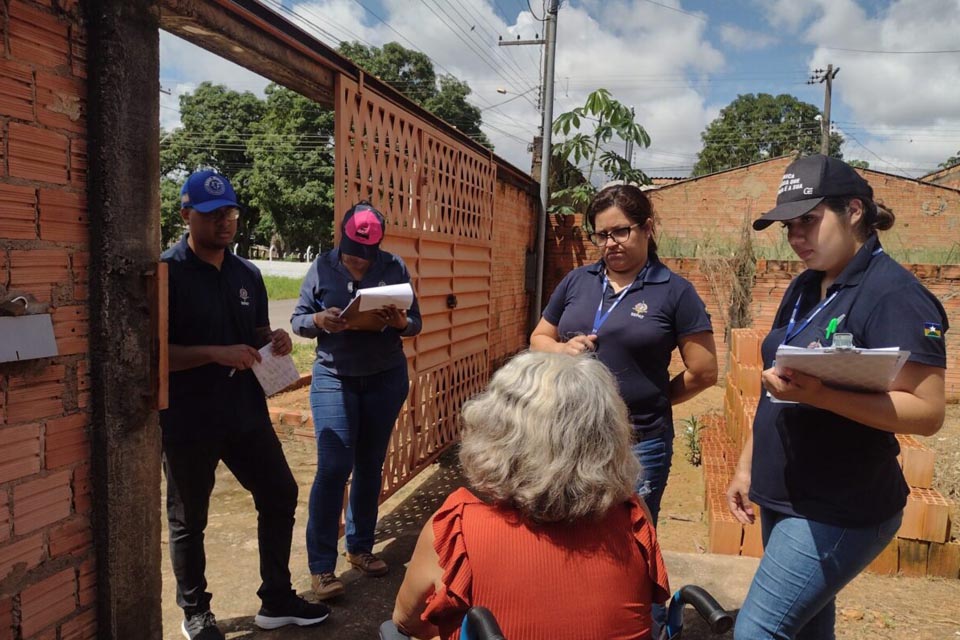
(123, 62)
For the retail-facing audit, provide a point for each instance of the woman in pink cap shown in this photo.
(359, 384)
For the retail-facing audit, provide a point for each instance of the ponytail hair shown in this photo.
(876, 216)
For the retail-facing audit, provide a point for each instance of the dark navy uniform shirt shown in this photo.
(352, 353)
(637, 338)
(210, 306)
(815, 464)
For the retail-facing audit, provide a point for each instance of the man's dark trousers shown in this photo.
(256, 459)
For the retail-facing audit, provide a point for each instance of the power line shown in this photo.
(483, 57)
(884, 51)
(887, 162)
(678, 10)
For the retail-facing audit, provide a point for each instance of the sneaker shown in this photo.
(326, 586)
(296, 611)
(367, 563)
(201, 626)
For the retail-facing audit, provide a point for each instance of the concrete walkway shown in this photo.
(232, 562)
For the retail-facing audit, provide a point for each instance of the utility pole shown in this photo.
(546, 109)
(825, 77)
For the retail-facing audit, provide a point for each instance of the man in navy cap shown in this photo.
(218, 411)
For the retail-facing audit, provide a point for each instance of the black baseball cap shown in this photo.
(807, 182)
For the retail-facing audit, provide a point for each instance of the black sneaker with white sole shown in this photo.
(296, 611)
(201, 626)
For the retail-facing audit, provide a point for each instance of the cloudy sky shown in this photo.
(896, 98)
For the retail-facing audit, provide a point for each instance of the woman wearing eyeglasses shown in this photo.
(632, 311)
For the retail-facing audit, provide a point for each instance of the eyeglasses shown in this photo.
(229, 214)
(618, 235)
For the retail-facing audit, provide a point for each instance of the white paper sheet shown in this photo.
(274, 372)
(399, 295)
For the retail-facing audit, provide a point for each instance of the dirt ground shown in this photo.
(870, 607)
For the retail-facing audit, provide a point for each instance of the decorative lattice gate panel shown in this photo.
(437, 196)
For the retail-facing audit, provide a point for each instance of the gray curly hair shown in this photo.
(550, 437)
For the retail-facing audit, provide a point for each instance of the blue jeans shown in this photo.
(805, 564)
(353, 418)
(656, 456)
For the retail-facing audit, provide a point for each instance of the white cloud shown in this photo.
(647, 56)
(185, 65)
(745, 39)
(904, 116)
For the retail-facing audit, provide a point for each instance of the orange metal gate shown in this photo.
(437, 196)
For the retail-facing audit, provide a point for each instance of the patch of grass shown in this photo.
(303, 356)
(282, 288)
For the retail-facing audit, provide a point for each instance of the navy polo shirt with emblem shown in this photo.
(812, 463)
(210, 306)
(636, 339)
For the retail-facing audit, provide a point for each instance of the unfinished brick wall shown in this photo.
(928, 215)
(47, 579)
(514, 228)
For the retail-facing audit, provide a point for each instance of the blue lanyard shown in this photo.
(791, 334)
(600, 317)
(793, 317)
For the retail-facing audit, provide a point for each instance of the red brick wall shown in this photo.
(928, 216)
(514, 229)
(949, 177)
(47, 578)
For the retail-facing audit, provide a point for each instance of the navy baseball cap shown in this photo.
(207, 191)
(810, 180)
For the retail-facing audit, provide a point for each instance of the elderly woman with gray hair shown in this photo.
(552, 537)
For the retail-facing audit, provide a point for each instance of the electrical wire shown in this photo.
(678, 10)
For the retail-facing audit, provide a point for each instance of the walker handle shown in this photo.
(709, 609)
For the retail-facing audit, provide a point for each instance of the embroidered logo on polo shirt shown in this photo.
(244, 297)
(932, 330)
(639, 310)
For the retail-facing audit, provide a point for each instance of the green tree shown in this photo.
(292, 178)
(171, 224)
(217, 123)
(949, 162)
(757, 127)
(858, 164)
(411, 73)
(610, 120)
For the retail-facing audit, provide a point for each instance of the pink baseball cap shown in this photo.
(362, 232)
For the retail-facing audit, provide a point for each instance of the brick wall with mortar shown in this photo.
(928, 215)
(47, 584)
(568, 248)
(514, 228)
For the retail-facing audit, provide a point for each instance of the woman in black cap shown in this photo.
(359, 384)
(822, 466)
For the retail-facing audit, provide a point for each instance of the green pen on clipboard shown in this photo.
(832, 326)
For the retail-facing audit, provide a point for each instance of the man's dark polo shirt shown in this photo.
(637, 338)
(813, 463)
(210, 306)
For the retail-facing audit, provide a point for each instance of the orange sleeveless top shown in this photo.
(592, 579)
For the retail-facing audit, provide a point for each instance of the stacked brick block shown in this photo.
(723, 439)
(47, 573)
(922, 545)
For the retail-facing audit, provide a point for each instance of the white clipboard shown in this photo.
(846, 368)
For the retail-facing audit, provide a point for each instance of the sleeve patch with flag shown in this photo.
(932, 330)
